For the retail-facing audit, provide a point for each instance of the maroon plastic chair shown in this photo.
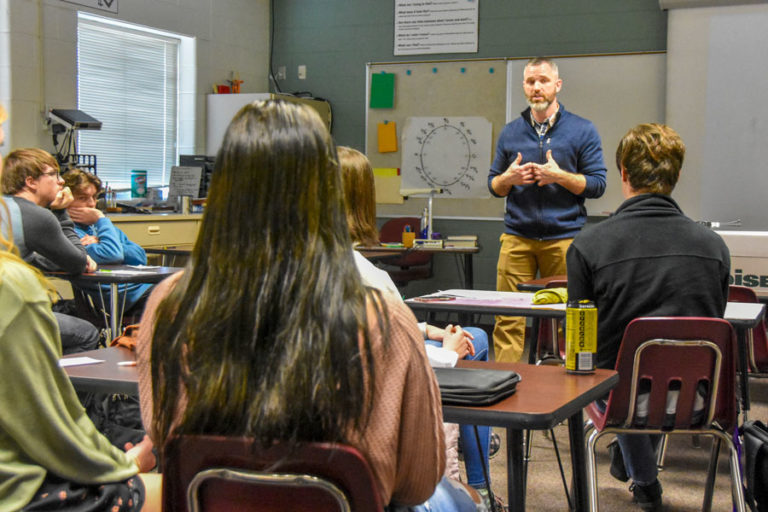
(757, 341)
(220, 474)
(412, 265)
(662, 354)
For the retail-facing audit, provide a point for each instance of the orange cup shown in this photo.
(408, 238)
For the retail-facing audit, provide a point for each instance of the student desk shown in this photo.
(115, 275)
(742, 316)
(545, 396)
(535, 285)
(170, 254)
(494, 303)
(106, 377)
(467, 252)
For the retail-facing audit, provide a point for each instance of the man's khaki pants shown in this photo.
(519, 259)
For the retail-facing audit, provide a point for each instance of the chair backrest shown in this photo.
(675, 373)
(757, 341)
(392, 231)
(218, 473)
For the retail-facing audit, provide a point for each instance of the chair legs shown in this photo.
(592, 468)
(720, 437)
(709, 488)
(662, 452)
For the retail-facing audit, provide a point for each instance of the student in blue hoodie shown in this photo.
(102, 240)
(548, 161)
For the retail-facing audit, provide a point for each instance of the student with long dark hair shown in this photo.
(270, 333)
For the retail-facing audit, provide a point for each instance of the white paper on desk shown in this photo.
(121, 272)
(144, 267)
(78, 361)
(485, 294)
(524, 298)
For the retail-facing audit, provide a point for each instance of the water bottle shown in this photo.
(424, 223)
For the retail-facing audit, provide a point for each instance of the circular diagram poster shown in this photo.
(451, 153)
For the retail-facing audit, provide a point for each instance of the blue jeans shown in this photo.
(474, 460)
(639, 454)
(448, 497)
(77, 335)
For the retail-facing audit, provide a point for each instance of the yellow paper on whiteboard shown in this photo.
(386, 171)
(388, 189)
(387, 137)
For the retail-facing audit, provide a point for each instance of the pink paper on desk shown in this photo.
(492, 298)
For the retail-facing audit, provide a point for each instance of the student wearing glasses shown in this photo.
(43, 232)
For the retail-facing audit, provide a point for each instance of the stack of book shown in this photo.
(461, 241)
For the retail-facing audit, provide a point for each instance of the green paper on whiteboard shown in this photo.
(383, 90)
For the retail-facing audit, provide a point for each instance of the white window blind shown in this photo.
(128, 79)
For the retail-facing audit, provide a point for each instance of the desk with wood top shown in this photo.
(545, 396)
(743, 316)
(467, 252)
(114, 275)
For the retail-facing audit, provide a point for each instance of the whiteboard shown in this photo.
(448, 153)
(717, 81)
(614, 91)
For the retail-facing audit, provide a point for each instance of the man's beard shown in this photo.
(539, 106)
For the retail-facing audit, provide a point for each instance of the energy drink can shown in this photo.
(580, 336)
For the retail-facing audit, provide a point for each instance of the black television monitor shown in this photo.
(204, 161)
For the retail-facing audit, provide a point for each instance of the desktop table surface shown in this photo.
(107, 274)
(545, 396)
(106, 377)
(397, 249)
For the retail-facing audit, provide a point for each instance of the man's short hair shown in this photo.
(23, 163)
(652, 156)
(77, 179)
(538, 61)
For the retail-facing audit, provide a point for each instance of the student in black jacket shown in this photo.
(648, 259)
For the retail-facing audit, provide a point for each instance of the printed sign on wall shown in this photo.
(102, 5)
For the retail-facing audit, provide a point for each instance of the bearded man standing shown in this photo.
(548, 161)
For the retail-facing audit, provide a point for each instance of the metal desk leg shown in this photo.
(469, 277)
(534, 341)
(580, 490)
(114, 322)
(515, 472)
(741, 333)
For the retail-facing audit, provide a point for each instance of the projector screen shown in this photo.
(717, 82)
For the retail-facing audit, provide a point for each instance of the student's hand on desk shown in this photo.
(89, 239)
(459, 341)
(83, 215)
(142, 454)
(90, 265)
(63, 199)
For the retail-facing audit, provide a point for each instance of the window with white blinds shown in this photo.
(128, 79)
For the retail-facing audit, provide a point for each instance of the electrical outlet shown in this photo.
(302, 72)
(281, 73)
